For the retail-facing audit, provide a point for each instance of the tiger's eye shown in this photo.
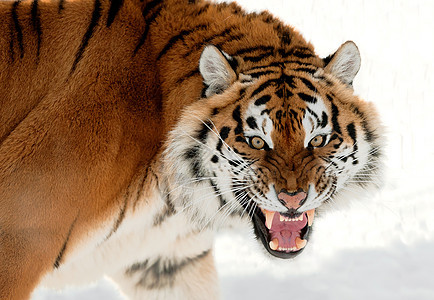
(257, 143)
(317, 141)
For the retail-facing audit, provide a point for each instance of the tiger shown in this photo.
(133, 131)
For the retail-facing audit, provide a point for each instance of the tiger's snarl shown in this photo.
(131, 131)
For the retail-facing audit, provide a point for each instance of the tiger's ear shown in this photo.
(344, 63)
(217, 69)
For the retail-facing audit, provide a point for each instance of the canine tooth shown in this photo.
(269, 215)
(282, 218)
(274, 243)
(310, 216)
(300, 243)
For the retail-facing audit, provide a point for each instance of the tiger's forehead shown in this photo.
(287, 96)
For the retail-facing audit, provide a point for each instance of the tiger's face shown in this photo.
(273, 148)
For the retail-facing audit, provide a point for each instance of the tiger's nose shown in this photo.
(292, 200)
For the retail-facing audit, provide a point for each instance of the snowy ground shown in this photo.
(378, 248)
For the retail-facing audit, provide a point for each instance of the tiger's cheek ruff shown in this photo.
(209, 177)
(349, 154)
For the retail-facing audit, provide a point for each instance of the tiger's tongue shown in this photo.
(285, 230)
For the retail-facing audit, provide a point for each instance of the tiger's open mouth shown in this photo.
(282, 236)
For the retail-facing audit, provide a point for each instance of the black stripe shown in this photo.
(352, 132)
(209, 40)
(266, 111)
(18, 27)
(325, 119)
(148, 23)
(259, 57)
(307, 70)
(120, 217)
(261, 101)
(308, 84)
(217, 191)
(369, 135)
(173, 40)
(224, 132)
(287, 79)
(293, 117)
(275, 163)
(169, 210)
(139, 191)
(261, 73)
(240, 139)
(161, 273)
(235, 37)
(282, 64)
(115, 5)
(236, 114)
(234, 163)
(11, 44)
(203, 132)
(307, 98)
(192, 152)
(192, 155)
(62, 250)
(96, 15)
(262, 87)
(335, 122)
(302, 52)
(328, 59)
(187, 76)
(339, 141)
(202, 9)
(283, 92)
(37, 25)
(270, 65)
(283, 33)
(149, 6)
(253, 49)
(61, 6)
(314, 115)
(251, 121)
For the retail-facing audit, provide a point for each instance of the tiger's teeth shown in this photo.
(282, 218)
(310, 216)
(269, 215)
(274, 244)
(300, 243)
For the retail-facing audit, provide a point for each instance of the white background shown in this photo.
(379, 247)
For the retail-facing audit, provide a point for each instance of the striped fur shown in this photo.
(127, 139)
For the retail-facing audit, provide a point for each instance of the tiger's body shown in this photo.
(124, 145)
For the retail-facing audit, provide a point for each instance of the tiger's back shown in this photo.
(72, 126)
(98, 108)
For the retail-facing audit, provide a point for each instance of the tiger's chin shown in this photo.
(282, 236)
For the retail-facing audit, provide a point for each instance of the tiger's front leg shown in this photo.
(189, 278)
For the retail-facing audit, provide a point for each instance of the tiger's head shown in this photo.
(272, 143)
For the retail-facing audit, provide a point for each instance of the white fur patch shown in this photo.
(264, 122)
(310, 122)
